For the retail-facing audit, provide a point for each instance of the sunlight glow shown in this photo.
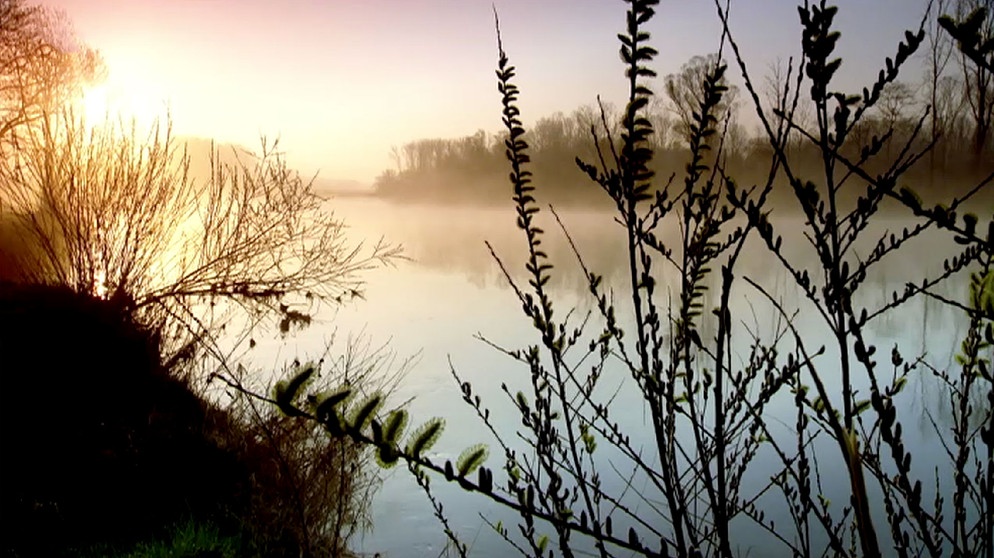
(117, 102)
(95, 104)
(100, 289)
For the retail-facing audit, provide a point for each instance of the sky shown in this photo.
(340, 82)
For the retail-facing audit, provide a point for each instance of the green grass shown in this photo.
(187, 540)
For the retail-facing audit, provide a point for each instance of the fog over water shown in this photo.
(174, 160)
(452, 289)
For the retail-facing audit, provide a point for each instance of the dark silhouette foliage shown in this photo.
(103, 445)
(100, 443)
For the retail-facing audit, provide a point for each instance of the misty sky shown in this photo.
(341, 81)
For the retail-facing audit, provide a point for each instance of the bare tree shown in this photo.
(937, 57)
(978, 79)
(896, 109)
(112, 212)
(895, 100)
(775, 83)
(41, 63)
(115, 214)
(686, 90)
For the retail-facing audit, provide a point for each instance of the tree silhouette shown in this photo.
(41, 64)
(973, 31)
(115, 214)
(106, 210)
(686, 90)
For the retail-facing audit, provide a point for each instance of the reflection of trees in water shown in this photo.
(451, 239)
(942, 329)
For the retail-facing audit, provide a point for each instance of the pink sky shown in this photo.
(342, 81)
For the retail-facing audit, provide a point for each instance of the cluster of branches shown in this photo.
(41, 64)
(323, 485)
(116, 213)
(962, 68)
(718, 450)
(106, 210)
(110, 211)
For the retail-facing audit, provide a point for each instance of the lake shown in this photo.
(451, 289)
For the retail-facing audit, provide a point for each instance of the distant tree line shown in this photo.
(953, 106)
(473, 167)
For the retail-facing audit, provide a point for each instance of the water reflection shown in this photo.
(452, 289)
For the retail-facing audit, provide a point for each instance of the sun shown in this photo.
(119, 102)
(94, 104)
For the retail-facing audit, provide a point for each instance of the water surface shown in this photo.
(452, 289)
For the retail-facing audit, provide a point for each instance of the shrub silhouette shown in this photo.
(103, 445)
(100, 442)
